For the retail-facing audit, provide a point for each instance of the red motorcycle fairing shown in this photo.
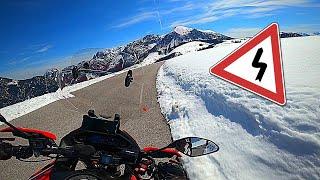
(171, 151)
(44, 173)
(46, 134)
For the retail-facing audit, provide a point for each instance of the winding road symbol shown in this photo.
(257, 64)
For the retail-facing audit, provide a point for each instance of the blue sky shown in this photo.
(36, 35)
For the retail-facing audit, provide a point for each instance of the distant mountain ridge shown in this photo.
(297, 34)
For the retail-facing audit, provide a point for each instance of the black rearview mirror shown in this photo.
(195, 146)
(128, 79)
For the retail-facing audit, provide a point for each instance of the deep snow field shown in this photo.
(258, 139)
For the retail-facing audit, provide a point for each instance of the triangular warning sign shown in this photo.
(256, 66)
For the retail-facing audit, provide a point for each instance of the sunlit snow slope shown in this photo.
(258, 139)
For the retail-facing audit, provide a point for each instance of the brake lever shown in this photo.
(16, 131)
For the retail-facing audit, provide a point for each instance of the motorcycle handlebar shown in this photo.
(23, 152)
(8, 150)
(20, 152)
(76, 150)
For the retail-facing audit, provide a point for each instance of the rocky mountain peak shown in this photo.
(182, 30)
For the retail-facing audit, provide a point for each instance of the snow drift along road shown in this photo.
(257, 138)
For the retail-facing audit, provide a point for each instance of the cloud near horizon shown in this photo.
(37, 68)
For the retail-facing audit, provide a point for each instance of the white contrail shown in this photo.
(158, 14)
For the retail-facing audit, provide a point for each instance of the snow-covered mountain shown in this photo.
(118, 58)
(181, 35)
(159, 47)
(106, 61)
(115, 59)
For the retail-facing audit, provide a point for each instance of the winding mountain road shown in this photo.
(137, 106)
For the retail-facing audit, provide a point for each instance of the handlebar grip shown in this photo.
(7, 150)
(20, 152)
(4, 151)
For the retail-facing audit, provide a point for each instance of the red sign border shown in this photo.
(271, 31)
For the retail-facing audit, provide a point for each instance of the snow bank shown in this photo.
(190, 47)
(258, 139)
(151, 58)
(183, 49)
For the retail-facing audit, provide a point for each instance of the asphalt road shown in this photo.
(137, 106)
